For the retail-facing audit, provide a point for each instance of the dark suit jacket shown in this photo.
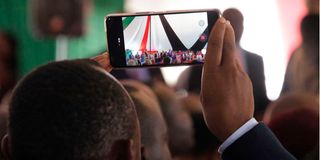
(257, 144)
(255, 70)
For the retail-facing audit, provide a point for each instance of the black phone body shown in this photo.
(148, 39)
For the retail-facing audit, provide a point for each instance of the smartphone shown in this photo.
(169, 38)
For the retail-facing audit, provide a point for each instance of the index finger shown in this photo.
(229, 46)
(215, 44)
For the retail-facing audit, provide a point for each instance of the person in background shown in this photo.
(71, 110)
(297, 130)
(302, 73)
(294, 118)
(154, 131)
(8, 63)
(252, 63)
(205, 143)
(8, 76)
(288, 102)
(178, 120)
(228, 103)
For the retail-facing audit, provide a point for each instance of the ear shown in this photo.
(121, 149)
(6, 147)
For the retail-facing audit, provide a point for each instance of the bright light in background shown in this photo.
(262, 35)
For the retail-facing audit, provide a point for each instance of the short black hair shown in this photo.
(69, 110)
(310, 28)
(310, 37)
(149, 114)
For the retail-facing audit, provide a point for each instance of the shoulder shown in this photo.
(251, 54)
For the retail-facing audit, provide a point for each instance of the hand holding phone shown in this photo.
(104, 61)
(168, 38)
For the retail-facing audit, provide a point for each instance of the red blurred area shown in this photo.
(291, 13)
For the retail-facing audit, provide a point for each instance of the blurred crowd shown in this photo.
(170, 118)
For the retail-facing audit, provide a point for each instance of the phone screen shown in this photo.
(160, 39)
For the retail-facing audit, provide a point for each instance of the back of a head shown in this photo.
(69, 110)
(297, 130)
(236, 20)
(152, 124)
(178, 120)
(294, 118)
(289, 102)
(206, 144)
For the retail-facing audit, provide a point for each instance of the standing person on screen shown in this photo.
(252, 63)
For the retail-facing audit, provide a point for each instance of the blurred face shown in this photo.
(136, 146)
(154, 130)
(159, 150)
(178, 120)
(183, 126)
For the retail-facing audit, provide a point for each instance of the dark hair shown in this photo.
(297, 130)
(310, 28)
(205, 141)
(310, 36)
(236, 19)
(69, 110)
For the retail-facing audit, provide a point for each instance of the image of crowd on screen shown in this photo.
(163, 57)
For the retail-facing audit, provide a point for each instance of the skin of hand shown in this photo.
(104, 60)
(226, 91)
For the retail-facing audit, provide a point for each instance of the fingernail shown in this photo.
(222, 20)
(228, 22)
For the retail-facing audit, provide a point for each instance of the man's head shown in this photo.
(297, 129)
(71, 110)
(236, 19)
(180, 127)
(310, 28)
(154, 136)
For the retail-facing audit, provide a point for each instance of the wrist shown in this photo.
(235, 127)
(247, 126)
